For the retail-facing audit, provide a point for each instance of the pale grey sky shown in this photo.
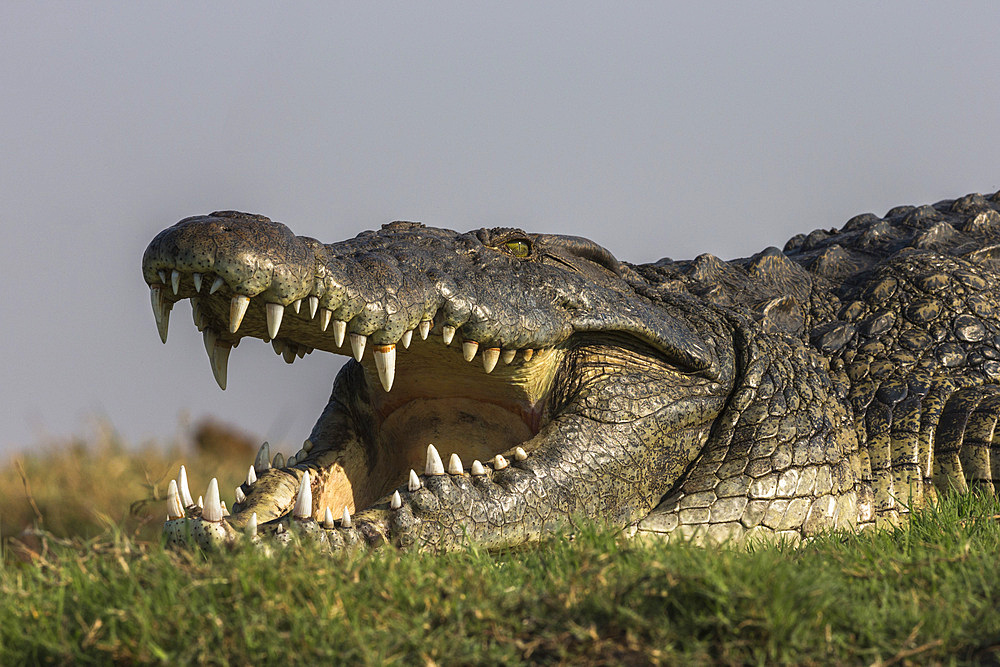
(656, 129)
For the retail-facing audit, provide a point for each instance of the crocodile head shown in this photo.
(494, 345)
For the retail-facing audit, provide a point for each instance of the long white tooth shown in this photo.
(447, 334)
(220, 362)
(240, 496)
(490, 358)
(263, 460)
(425, 329)
(528, 354)
(216, 284)
(161, 312)
(163, 276)
(396, 501)
(324, 318)
(358, 345)
(414, 482)
(297, 305)
(455, 465)
(237, 309)
(251, 528)
(328, 518)
(278, 461)
(469, 349)
(200, 503)
(182, 482)
(499, 462)
(251, 476)
(520, 454)
(508, 356)
(385, 362)
(196, 279)
(275, 311)
(175, 280)
(313, 306)
(345, 521)
(212, 510)
(433, 465)
(303, 503)
(339, 331)
(477, 468)
(406, 338)
(174, 508)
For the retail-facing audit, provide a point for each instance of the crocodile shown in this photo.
(834, 384)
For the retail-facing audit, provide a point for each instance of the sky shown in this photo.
(656, 129)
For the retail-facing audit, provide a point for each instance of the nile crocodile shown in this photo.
(833, 384)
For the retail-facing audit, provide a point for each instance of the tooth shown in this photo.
(508, 356)
(279, 529)
(278, 461)
(196, 278)
(345, 520)
(220, 362)
(406, 338)
(469, 348)
(301, 351)
(209, 336)
(358, 345)
(163, 276)
(263, 460)
(297, 305)
(251, 476)
(196, 311)
(303, 504)
(447, 334)
(237, 309)
(161, 312)
(274, 313)
(339, 331)
(490, 358)
(225, 510)
(477, 468)
(324, 318)
(240, 496)
(520, 454)
(175, 280)
(528, 354)
(455, 465)
(313, 305)
(216, 284)
(434, 465)
(174, 508)
(278, 345)
(499, 462)
(212, 510)
(182, 482)
(328, 518)
(385, 362)
(414, 482)
(288, 354)
(251, 529)
(292, 460)
(200, 504)
(396, 501)
(425, 329)
(307, 445)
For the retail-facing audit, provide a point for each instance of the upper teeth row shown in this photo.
(384, 355)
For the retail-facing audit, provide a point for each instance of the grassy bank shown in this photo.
(929, 592)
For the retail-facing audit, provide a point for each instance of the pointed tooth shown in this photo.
(251, 528)
(278, 461)
(414, 482)
(304, 501)
(237, 309)
(182, 483)
(339, 331)
(161, 312)
(324, 319)
(499, 462)
(328, 518)
(212, 510)
(345, 520)
(455, 465)
(174, 508)
(263, 460)
(528, 354)
(225, 510)
(447, 334)
(220, 362)
(477, 468)
(508, 356)
(175, 280)
(251, 476)
(358, 345)
(469, 349)
(297, 305)
(240, 496)
(396, 501)
(200, 503)
(313, 306)
(209, 336)
(196, 279)
(520, 454)
(163, 276)
(434, 466)
(196, 312)
(490, 358)
(406, 338)
(279, 529)
(216, 284)
(278, 346)
(385, 362)
(288, 354)
(275, 311)
(425, 329)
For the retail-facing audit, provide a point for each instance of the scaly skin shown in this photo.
(832, 385)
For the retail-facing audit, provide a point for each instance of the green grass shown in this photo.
(928, 592)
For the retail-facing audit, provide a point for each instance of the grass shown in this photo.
(928, 592)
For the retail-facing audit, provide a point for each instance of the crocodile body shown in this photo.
(833, 384)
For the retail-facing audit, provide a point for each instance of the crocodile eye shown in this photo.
(518, 248)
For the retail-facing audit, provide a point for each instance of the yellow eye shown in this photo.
(518, 248)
